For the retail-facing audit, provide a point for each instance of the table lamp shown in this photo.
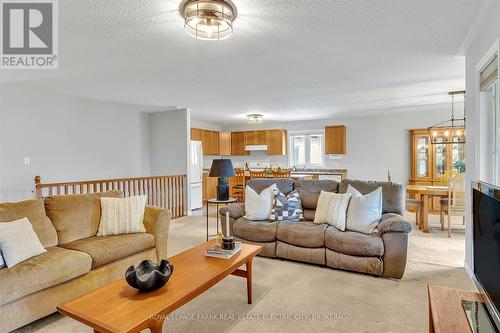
(222, 168)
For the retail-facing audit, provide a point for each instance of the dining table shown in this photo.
(425, 192)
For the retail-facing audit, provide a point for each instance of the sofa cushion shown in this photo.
(76, 216)
(393, 195)
(35, 212)
(285, 185)
(298, 253)
(55, 266)
(104, 250)
(369, 265)
(256, 231)
(354, 243)
(304, 234)
(309, 214)
(309, 190)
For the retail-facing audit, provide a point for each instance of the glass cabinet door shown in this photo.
(441, 162)
(422, 156)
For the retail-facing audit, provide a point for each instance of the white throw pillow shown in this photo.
(365, 211)
(18, 241)
(258, 206)
(122, 215)
(332, 209)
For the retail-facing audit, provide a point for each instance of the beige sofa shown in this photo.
(76, 261)
(382, 253)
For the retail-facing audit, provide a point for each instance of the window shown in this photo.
(307, 150)
(489, 123)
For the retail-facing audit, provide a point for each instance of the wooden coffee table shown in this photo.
(118, 307)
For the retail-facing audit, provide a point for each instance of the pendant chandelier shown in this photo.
(451, 131)
(208, 19)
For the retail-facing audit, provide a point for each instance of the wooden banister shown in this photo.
(162, 191)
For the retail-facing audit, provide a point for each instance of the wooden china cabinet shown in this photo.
(430, 163)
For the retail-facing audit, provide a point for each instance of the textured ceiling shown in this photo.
(288, 59)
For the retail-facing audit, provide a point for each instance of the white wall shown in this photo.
(375, 143)
(67, 139)
(169, 145)
(169, 135)
(487, 33)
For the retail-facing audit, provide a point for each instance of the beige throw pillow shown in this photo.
(18, 242)
(122, 215)
(332, 209)
(365, 211)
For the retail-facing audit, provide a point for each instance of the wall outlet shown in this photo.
(27, 160)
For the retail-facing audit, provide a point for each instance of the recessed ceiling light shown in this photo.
(208, 19)
(255, 118)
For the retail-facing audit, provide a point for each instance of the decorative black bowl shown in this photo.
(149, 276)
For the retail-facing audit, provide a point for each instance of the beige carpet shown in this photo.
(288, 294)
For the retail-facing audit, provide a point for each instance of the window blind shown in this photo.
(489, 74)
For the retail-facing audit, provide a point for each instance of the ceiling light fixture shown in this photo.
(255, 118)
(208, 19)
(451, 131)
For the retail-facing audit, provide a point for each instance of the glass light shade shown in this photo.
(255, 118)
(208, 19)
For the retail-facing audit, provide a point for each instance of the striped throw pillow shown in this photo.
(122, 215)
(332, 209)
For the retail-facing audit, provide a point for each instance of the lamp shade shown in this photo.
(222, 168)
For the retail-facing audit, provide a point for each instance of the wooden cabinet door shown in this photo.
(238, 143)
(276, 142)
(196, 134)
(210, 142)
(420, 156)
(225, 143)
(250, 138)
(335, 139)
(261, 137)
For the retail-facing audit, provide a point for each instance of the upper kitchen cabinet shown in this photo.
(225, 143)
(256, 137)
(210, 142)
(238, 143)
(197, 134)
(335, 139)
(276, 142)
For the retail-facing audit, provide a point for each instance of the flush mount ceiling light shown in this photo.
(208, 19)
(255, 118)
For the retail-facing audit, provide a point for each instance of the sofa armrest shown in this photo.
(391, 222)
(235, 212)
(157, 223)
(394, 230)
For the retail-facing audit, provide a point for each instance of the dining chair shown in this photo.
(282, 174)
(454, 204)
(414, 203)
(238, 189)
(258, 174)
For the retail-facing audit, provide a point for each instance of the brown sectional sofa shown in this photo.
(382, 253)
(76, 261)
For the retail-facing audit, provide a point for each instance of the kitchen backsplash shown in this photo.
(260, 160)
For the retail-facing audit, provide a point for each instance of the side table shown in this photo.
(217, 203)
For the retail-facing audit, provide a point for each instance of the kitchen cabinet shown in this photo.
(238, 143)
(225, 143)
(430, 163)
(197, 134)
(210, 141)
(276, 142)
(209, 187)
(335, 139)
(256, 137)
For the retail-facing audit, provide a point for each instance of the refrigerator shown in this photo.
(196, 172)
